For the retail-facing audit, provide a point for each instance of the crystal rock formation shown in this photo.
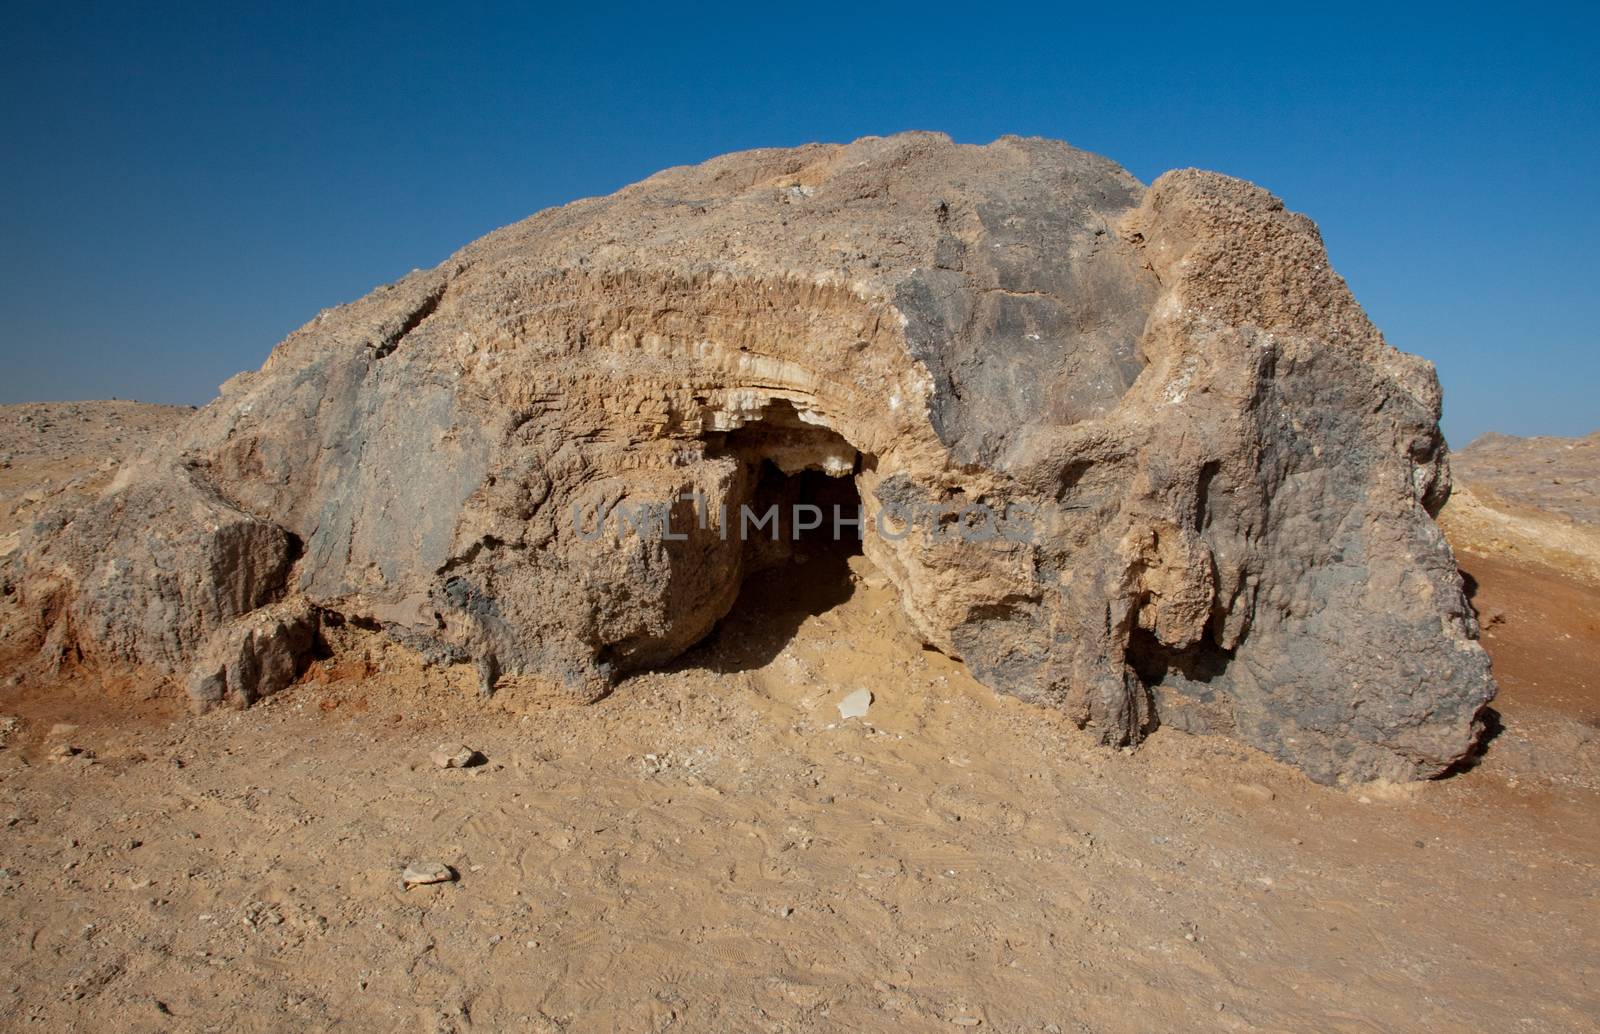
(1218, 479)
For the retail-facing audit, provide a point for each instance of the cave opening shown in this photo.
(801, 543)
(1185, 684)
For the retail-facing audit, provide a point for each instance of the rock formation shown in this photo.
(1228, 477)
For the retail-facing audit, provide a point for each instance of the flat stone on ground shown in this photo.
(420, 874)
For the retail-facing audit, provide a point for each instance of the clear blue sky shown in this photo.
(183, 185)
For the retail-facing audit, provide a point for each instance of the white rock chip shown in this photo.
(855, 705)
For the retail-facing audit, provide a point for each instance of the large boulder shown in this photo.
(146, 573)
(1216, 479)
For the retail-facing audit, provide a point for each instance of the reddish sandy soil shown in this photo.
(713, 849)
(1543, 629)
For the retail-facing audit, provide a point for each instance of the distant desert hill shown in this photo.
(1533, 499)
(65, 452)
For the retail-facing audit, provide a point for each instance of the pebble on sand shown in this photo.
(456, 755)
(420, 874)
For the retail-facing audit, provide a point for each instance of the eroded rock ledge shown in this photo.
(1233, 476)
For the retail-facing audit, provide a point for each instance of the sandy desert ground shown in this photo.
(713, 848)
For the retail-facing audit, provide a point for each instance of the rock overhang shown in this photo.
(1233, 472)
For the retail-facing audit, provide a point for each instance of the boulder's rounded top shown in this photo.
(872, 211)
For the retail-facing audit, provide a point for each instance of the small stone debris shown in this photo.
(856, 704)
(64, 751)
(967, 1021)
(419, 874)
(456, 755)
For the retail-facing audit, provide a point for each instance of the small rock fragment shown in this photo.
(855, 705)
(420, 874)
(456, 755)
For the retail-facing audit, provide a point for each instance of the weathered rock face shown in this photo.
(255, 656)
(1228, 476)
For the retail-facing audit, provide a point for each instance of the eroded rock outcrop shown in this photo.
(255, 656)
(1228, 476)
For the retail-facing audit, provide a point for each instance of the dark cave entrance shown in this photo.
(800, 536)
(1185, 685)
